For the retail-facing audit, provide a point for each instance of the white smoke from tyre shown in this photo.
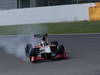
(15, 44)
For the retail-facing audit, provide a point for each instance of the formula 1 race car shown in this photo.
(37, 54)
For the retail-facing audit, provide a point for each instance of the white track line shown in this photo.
(78, 34)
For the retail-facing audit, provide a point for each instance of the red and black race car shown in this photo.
(36, 54)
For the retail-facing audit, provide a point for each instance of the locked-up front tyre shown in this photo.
(28, 49)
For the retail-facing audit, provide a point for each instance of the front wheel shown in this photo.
(28, 49)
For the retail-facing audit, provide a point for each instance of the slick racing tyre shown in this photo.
(61, 49)
(28, 49)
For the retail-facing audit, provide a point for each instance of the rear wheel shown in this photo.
(61, 49)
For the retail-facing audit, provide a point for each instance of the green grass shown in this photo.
(74, 27)
(53, 28)
(22, 29)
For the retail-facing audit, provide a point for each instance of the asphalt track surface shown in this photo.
(84, 51)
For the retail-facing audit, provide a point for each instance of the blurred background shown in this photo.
(13, 4)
